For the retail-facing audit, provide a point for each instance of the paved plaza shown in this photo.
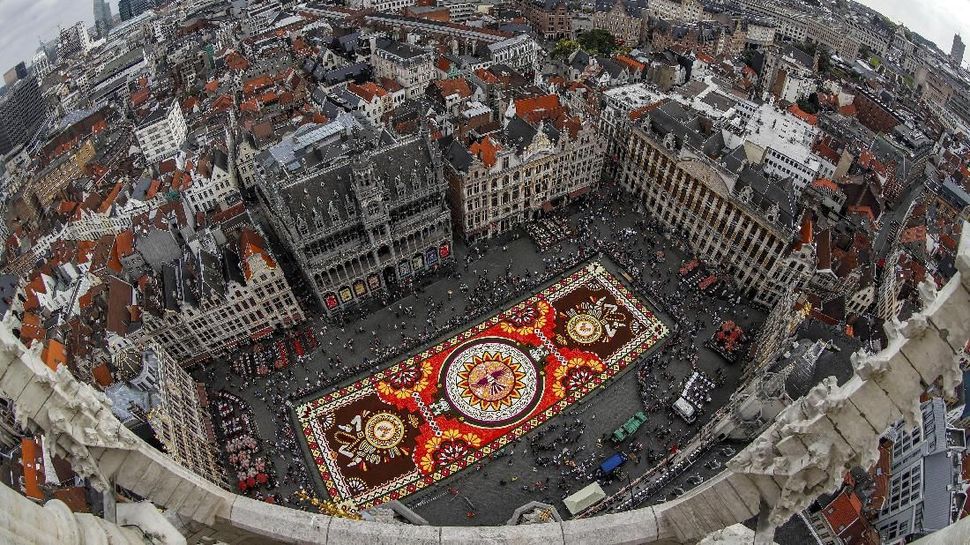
(561, 455)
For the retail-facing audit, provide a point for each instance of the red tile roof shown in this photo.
(844, 510)
(189, 104)
(542, 103)
(110, 199)
(367, 90)
(457, 86)
(252, 86)
(803, 115)
(250, 244)
(913, 234)
(53, 354)
(486, 150)
(235, 61)
(30, 458)
(222, 103)
(825, 183)
(848, 110)
(631, 63)
(637, 113)
(102, 375)
(486, 75)
(249, 105)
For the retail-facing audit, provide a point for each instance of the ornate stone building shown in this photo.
(223, 290)
(677, 10)
(544, 157)
(623, 20)
(176, 412)
(550, 19)
(364, 224)
(733, 216)
(411, 66)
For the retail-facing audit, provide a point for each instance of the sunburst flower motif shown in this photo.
(452, 446)
(577, 372)
(524, 318)
(405, 380)
(491, 381)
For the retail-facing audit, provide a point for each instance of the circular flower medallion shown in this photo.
(491, 382)
(384, 430)
(584, 328)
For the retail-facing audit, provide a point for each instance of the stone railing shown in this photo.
(803, 453)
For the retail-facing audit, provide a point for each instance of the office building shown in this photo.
(102, 17)
(956, 51)
(162, 133)
(73, 40)
(129, 9)
(22, 112)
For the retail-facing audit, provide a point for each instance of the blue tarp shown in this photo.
(612, 463)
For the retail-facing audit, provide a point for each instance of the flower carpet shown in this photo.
(435, 413)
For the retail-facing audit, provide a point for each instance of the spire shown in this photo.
(509, 113)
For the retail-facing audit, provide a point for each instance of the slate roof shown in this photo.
(767, 192)
(633, 7)
(400, 49)
(519, 134)
(455, 153)
(611, 66)
(672, 118)
(802, 57)
(327, 197)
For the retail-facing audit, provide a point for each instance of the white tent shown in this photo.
(685, 409)
(584, 498)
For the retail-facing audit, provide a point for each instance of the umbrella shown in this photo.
(243, 485)
(251, 482)
(261, 478)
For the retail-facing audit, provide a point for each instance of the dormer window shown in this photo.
(745, 194)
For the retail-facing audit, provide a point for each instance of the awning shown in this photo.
(583, 499)
(29, 460)
(579, 192)
(262, 333)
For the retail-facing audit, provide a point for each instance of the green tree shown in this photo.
(809, 104)
(824, 59)
(747, 56)
(597, 41)
(564, 48)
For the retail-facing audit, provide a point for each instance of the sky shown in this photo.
(935, 20)
(22, 22)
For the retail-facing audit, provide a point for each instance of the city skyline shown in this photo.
(42, 18)
(936, 21)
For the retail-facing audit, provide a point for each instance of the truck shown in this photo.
(610, 464)
(629, 427)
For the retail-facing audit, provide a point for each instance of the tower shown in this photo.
(956, 51)
(102, 17)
